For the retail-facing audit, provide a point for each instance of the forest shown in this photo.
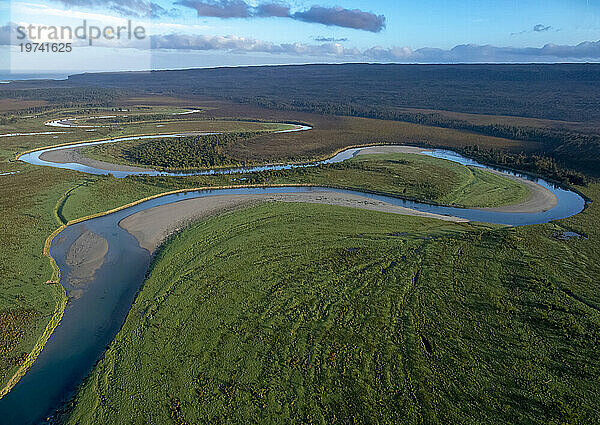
(569, 92)
(559, 92)
(556, 92)
(186, 152)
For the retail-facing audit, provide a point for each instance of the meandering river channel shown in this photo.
(97, 309)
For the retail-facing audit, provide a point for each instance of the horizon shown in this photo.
(30, 75)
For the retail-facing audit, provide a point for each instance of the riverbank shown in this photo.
(242, 309)
(73, 155)
(152, 226)
(539, 197)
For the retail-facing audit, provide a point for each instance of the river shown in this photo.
(93, 317)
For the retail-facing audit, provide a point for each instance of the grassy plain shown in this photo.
(416, 177)
(26, 302)
(313, 314)
(28, 199)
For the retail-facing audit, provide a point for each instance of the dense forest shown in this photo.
(571, 148)
(186, 152)
(73, 96)
(562, 92)
(568, 92)
(536, 164)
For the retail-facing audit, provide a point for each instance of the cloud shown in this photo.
(467, 53)
(8, 35)
(218, 8)
(337, 16)
(331, 16)
(542, 28)
(476, 53)
(273, 10)
(131, 8)
(241, 45)
(536, 28)
(236, 44)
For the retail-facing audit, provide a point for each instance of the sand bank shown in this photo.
(85, 257)
(150, 227)
(73, 155)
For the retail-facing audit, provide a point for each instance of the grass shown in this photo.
(413, 176)
(298, 313)
(29, 215)
(407, 175)
(27, 220)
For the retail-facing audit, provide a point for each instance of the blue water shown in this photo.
(569, 203)
(7, 76)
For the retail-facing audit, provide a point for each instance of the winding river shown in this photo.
(97, 308)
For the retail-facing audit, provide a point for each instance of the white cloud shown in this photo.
(461, 53)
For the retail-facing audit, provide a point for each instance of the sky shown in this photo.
(208, 33)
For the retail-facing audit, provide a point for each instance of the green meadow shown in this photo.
(294, 313)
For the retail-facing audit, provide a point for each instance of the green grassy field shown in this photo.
(413, 176)
(298, 313)
(26, 302)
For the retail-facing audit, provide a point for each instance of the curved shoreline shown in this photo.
(55, 279)
(541, 199)
(153, 225)
(55, 319)
(340, 155)
(206, 192)
(61, 302)
(61, 296)
(103, 140)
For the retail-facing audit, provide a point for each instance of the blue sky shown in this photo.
(198, 33)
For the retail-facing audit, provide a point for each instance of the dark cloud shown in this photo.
(329, 40)
(542, 28)
(218, 8)
(536, 28)
(273, 10)
(331, 16)
(337, 16)
(467, 53)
